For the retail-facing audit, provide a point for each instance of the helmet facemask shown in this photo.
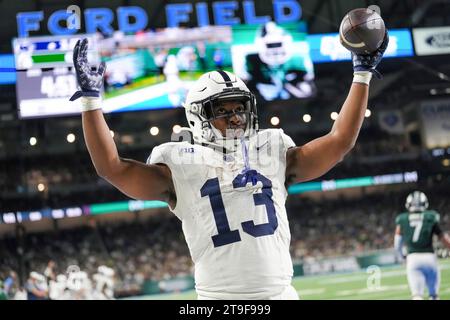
(208, 112)
(236, 119)
(211, 90)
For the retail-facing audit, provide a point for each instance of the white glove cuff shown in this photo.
(90, 103)
(362, 77)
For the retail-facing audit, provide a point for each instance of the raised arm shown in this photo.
(317, 157)
(443, 236)
(398, 243)
(135, 179)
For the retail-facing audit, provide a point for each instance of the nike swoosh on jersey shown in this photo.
(261, 146)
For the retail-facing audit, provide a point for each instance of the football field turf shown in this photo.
(360, 285)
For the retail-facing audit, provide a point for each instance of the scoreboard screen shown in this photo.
(45, 75)
(7, 69)
(145, 71)
(274, 60)
(49, 52)
(155, 70)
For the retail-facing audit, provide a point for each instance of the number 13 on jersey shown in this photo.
(225, 235)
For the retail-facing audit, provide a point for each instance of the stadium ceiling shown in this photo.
(321, 15)
(325, 15)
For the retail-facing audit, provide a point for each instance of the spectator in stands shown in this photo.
(36, 287)
(154, 249)
(10, 285)
(49, 272)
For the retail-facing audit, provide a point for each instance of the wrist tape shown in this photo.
(90, 103)
(362, 77)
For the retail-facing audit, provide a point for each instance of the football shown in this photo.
(362, 31)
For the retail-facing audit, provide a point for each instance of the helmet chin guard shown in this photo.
(210, 89)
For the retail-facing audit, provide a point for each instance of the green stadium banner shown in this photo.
(150, 287)
(330, 265)
(379, 258)
(314, 267)
(298, 270)
(301, 268)
(178, 284)
(345, 263)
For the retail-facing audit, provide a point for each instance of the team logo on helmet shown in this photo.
(416, 201)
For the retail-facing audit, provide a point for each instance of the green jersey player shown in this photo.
(415, 229)
(277, 70)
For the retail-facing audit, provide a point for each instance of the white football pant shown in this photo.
(422, 270)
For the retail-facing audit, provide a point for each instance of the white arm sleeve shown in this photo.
(398, 245)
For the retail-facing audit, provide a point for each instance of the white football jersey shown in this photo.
(237, 231)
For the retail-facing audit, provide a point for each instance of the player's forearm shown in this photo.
(100, 144)
(446, 240)
(398, 244)
(348, 124)
(39, 293)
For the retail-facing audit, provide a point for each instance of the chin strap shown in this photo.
(249, 174)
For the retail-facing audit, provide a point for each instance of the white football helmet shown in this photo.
(274, 45)
(106, 271)
(206, 92)
(416, 202)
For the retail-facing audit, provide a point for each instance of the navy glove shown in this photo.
(369, 62)
(89, 81)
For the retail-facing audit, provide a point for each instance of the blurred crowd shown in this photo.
(73, 284)
(154, 249)
(340, 227)
(74, 175)
(137, 252)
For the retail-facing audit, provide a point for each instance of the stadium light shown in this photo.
(307, 118)
(334, 115)
(33, 141)
(41, 187)
(433, 92)
(70, 138)
(154, 131)
(446, 162)
(275, 121)
(176, 129)
(368, 113)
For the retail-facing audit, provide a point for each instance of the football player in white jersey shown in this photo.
(229, 185)
(103, 288)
